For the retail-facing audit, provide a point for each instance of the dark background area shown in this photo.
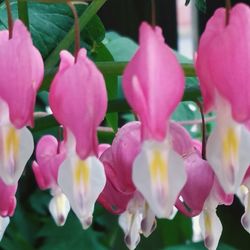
(125, 16)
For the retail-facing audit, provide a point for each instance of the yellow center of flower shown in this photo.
(230, 145)
(12, 143)
(81, 173)
(158, 167)
(207, 222)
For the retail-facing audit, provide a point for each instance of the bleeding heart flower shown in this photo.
(153, 83)
(21, 70)
(225, 86)
(200, 177)
(49, 157)
(120, 195)
(78, 100)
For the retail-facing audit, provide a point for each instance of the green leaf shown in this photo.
(122, 48)
(50, 23)
(201, 5)
(68, 39)
(70, 236)
(23, 12)
(101, 53)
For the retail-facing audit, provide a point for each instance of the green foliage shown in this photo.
(200, 4)
(49, 23)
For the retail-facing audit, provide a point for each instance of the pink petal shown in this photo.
(21, 70)
(153, 83)
(48, 161)
(78, 100)
(101, 148)
(224, 68)
(125, 147)
(198, 186)
(181, 140)
(8, 199)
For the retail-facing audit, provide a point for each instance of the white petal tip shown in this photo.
(59, 208)
(4, 222)
(245, 223)
(86, 222)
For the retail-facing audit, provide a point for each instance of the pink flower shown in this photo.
(8, 199)
(21, 71)
(225, 84)
(153, 83)
(49, 157)
(200, 179)
(78, 100)
(120, 195)
(118, 161)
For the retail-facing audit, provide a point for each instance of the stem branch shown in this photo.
(10, 19)
(77, 28)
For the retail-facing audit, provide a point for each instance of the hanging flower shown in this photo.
(49, 157)
(78, 100)
(21, 70)
(221, 66)
(120, 195)
(153, 83)
(7, 205)
(200, 176)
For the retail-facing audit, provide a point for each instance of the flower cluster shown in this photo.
(153, 165)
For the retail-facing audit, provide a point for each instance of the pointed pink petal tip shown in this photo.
(153, 82)
(223, 69)
(82, 82)
(19, 90)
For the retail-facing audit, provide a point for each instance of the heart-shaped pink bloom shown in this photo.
(153, 82)
(21, 70)
(78, 100)
(118, 162)
(223, 59)
(48, 161)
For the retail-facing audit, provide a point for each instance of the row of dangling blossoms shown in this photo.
(153, 164)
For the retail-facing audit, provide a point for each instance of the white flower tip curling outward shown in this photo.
(131, 226)
(59, 208)
(82, 181)
(149, 223)
(211, 228)
(245, 219)
(159, 174)
(131, 220)
(86, 222)
(4, 222)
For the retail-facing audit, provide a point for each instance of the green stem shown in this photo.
(153, 13)
(77, 29)
(112, 68)
(203, 125)
(228, 9)
(10, 19)
(92, 9)
(23, 12)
